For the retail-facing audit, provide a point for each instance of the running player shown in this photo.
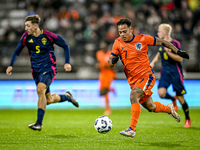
(171, 72)
(107, 74)
(43, 64)
(132, 50)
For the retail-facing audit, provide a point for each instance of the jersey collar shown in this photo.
(131, 39)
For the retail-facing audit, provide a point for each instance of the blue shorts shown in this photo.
(175, 79)
(44, 77)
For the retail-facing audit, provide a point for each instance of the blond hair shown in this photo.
(34, 19)
(166, 27)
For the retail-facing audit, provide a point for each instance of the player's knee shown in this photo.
(162, 92)
(40, 91)
(136, 93)
(41, 88)
(162, 95)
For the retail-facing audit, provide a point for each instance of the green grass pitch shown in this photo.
(74, 129)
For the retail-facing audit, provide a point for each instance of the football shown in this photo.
(103, 124)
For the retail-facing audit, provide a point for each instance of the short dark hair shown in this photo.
(124, 21)
(33, 19)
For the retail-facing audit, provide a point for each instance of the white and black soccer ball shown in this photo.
(103, 124)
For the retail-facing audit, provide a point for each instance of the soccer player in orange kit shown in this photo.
(107, 74)
(132, 50)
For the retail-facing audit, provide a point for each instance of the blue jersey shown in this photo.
(41, 50)
(169, 65)
(171, 72)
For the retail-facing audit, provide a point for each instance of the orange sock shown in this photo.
(107, 102)
(161, 108)
(135, 114)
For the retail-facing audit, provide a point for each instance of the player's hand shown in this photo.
(166, 49)
(183, 54)
(67, 67)
(8, 70)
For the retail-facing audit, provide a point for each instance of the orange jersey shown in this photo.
(107, 74)
(134, 56)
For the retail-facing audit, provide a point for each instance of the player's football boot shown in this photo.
(72, 100)
(174, 103)
(173, 113)
(187, 123)
(35, 126)
(128, 132)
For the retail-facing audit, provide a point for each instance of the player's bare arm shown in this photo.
(8, 70)
(173, 56)
(161, 42)
(67, 67)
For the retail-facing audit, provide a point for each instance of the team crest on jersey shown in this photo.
(30, 41)
(44, 41)
(138, 46)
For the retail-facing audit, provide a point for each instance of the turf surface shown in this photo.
(74, 129)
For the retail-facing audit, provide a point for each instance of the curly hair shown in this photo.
(124, 21)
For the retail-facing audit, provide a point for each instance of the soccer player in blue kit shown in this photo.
(171, 72)
(43, 64)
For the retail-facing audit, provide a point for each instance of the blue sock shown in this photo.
(40, 115)
(64, 98)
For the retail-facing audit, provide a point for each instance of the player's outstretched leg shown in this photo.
(35, 126)
(173, 113)
(128, 132)
(71, 99)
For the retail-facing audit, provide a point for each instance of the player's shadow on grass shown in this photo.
(191, 128)
(160, 144)
(63, 136)
(194, 128)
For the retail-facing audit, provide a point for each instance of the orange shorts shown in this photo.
(105, 83)
(146, 83)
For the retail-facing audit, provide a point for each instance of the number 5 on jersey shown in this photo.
(37, 49)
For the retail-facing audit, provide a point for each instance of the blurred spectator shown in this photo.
(153, 18)
(30, 11)
(86, 22)
(140, 21)
(112, 33)
(52, 23)
(170, 5)
(177, 32)
(67, 13)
